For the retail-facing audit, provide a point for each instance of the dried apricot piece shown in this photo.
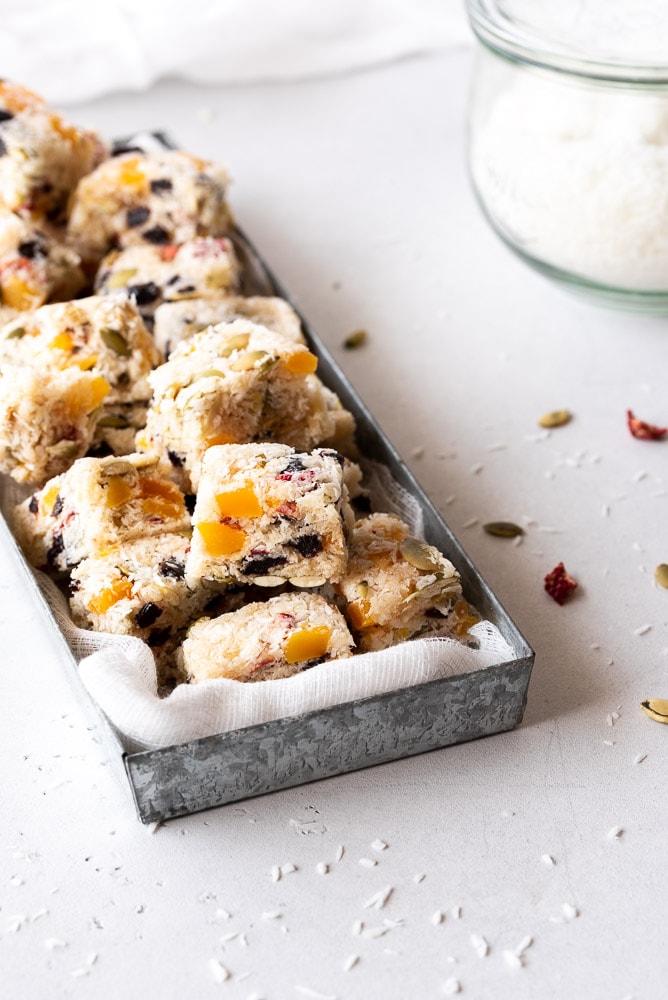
(307, 644)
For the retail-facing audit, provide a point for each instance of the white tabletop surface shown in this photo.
(355, 189)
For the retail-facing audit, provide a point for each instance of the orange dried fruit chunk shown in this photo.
(215, 439)
(301, 363)
(307, 644)
(221, 539)
(242, 502)
(106, 599)
(85, 364)
(118, 492)
(64, 130)
(358, 613)
(465, 617)
(49, 498)
(19, 294)
(62, 342)
(86, 396)
(130, 174)
(161, 498)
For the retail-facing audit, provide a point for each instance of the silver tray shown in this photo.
(216, 770)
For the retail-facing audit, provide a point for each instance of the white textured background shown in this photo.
(355, 190)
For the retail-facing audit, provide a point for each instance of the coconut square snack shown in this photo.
(149, 275)
(98, 503)
(42, 156)
(236, 383)
(104, 334)
(162, 198)
(396, 587)
(266, 514)
(178, 321)
(34, 267)
(266, 641)
(47, 419)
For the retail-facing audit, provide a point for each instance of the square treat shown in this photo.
(179, 321)
(139, 588)
(102, 334)
(277, 638)
(266, 514)
(234, 383)
(47, 419)
(157, 199)
(98, 503)
(398, 587)
(42, 157)
(201, 269)
(34, 267)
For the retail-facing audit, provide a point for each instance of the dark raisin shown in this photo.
(5, 116)
(190, 499)
(120, 147)
(158, 636)
(315, 663)
(148, 615)
(294, 465)
(175, 459)
(162, 184)
(73, 585)
(144, 294)
(331, 453)
(99, 449)
(157, 235)
(57, 546)
(31, 249)
(172, 567)
(186, 289)
(33, 505)
(173, 280)
(307, 545)
(261, 565)
(58, 505)
(137, 216)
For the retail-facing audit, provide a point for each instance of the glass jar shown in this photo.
(568, 140)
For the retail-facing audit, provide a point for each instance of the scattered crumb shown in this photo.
(512, 959)
(379, 899)
(419, 878)
(288, 869)
(615, 833)
(476, 469)
(417, 452)
(154, 827)
(340, 851)
(229, 937)
(643, 630)
(451, 986)
(450, 499)
(272, 915)
(609, 743)
(498, 446)
(570, 911)
(205, 115)
(640, 758)
(376, 932)
(350, 962)
(639, 476)
(379, 845)
(605, 510)
(524, 944)
(480, 945)
(358, 927)
(51, 943)
(472, 521)
(275, 874)
(437, 917)
(595, 645)
(548, 860)
(308, 992)
(222, 914)
(322, 868)
(457, 912)
(367, 862)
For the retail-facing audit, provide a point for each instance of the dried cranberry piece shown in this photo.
(148, 615)
(137, 216)
(558, 584)
(33, 505)
(307, 545)
(57, 546)
(172, 567)
(158, 235)
(144, 294)
(644, 431)
(261, 564)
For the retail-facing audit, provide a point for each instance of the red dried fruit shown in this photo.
(644, 431)
(558, 584)
(169, 252)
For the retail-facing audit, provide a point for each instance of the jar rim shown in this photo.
(563, 46)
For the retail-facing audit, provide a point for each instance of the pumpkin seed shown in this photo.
(113, 420)
(355, 339)
(236, 343)
(661, 574)
(656, 708)
(246, 362)
(555, 418)
(307, 581)
(121, 278)
(268, 581)
(207, 373)
(503, 529)
(16, 333)
(419, 554)
(115, 341)
(63, 449)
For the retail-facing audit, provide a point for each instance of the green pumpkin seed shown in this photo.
(207, 373)
(63, 449)
(247, 362)
(113, 420)
(661, 574)
(503, 529)
(120, 278)
(115, 341)
(16, 333)
(355, 339)
(656, 708)
(235, 343)
(555, 418)
(419, 554)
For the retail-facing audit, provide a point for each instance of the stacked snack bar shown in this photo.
(193, 480)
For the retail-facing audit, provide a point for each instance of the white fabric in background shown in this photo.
(74, 50)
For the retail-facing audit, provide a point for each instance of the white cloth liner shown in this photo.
(119, 671)
(75, 50)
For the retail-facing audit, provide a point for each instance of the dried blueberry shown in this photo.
(158, 636)
(57, 546)
(295, 465)
(137, 216)
(172, 567)
(5, 116)
(58, 505)
(307, 545)
(160, 185)
(33, 505)
(186, 289)
(157, 235)
(175, 459)
(31, 249)
(144, 294)
(190, 499)
(148, 615)
(261, 564)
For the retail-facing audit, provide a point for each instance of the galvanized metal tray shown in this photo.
(216, 770)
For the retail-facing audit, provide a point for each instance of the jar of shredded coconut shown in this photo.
(569, 140)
